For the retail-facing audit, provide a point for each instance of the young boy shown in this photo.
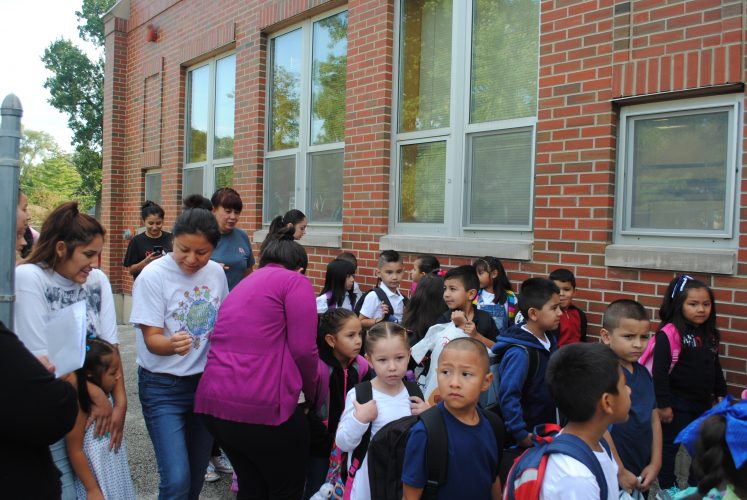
(572, 326)
(460, 289)
(373, 310)
(474, 451)
(525, 351)
(587, 384)
(626, 329)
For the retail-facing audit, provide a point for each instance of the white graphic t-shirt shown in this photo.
(165, 297)
(40, 291)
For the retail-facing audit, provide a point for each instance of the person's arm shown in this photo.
(496, 490)
(414, 470)
(372, 310)
(78, 460)
(627, 480)
(660, 374)
(651, 471)
(158, 343)
(513, 371)
(138, 267)
(413, 493)
(249, 257)
(120, 409)
(350, 430)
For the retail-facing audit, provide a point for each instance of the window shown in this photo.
(466, 106)
(306, 125)
(153, 186)
(211, 103)
(677, 165)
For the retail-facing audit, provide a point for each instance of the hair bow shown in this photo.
(736, 429)
(679, 285)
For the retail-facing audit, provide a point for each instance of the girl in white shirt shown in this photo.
(338, 287)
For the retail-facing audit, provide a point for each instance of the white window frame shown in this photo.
(210, 164)
(303, 152)
(457, 137)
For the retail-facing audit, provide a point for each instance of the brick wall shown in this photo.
(590, 53)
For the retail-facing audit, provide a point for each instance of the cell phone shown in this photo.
(158, 250)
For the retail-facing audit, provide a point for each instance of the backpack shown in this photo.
(675, 345)
(489, 399)
(386, 453)
(381, 295)
(528, 471)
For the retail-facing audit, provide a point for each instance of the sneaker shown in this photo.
(210, 475)
(221, 464)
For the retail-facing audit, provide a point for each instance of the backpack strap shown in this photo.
(359, 305)
(363, 394)
(499, 430)
(413, 389)
(381, 295)
(575, 447)
(437, 452)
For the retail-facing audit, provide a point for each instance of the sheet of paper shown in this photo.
(66, 338)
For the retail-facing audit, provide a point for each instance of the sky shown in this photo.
(29, 26)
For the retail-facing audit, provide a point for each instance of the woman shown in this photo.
(59, 272)
(146, 247)
(22, 224)
(175, 301)
(263, 355)
(234, 250)
(294, 221)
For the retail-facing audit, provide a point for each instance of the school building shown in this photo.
(605, 136)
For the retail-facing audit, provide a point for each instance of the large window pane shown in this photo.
(280, 186)
(192, 181)
(223, 176)
(225, 105)
(422, 183)
(329, 62)
(425, 64)
(153, 187)
(500, 179)
(325, 193)
(197, 112)
(285, 88)
(505, 41)
(680, 172)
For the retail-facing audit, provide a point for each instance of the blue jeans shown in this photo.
(67, 478)
(180, 440)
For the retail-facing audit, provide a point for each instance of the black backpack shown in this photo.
(489, 399)
(381, 294)
(386, 453)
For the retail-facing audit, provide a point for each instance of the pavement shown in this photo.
(139, 448)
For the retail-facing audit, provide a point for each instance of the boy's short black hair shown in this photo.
(578, 375)
(535, 293)
(466, 275)
(470, 344)
(620, 310)
(388, 256)
(564, 275)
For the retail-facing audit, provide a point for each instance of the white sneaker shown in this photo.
(210, 475)
(221, 464)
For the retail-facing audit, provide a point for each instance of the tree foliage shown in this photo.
(36, 146)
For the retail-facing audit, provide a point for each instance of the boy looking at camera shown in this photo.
(386, 303)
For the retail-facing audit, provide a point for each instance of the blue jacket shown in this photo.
(524, 397)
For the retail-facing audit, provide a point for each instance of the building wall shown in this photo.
(591, 53)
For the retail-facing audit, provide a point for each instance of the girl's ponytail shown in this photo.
(713, 464)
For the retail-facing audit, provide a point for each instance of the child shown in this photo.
(524, 352)
(350, 257)
(388, 353)
(101, 472)
(423, 265)
(425, 307)
(573, 324)
(625, 328)
(460, 289)
(496, 296)
(338, 287)
(687, 385)
(474, 458)
(373, 310)
(588, 385)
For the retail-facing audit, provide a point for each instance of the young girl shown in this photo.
(175, 302)
(101, 472)
(350, 257)
(423, 265)
(688, 388)
(338, 287)
(339, 342)
(425, 307)
(388, 353)
(496, 296)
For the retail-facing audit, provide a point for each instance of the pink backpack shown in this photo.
(675, 344)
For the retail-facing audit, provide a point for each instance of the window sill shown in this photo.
(329, 239)
(700, 260)
(466, 247)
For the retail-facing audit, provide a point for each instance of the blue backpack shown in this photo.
(528, 472)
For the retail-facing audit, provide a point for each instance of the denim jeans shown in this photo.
(180, 440)
(67, 477)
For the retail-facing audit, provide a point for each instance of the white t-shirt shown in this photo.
(322, 307)
(568, 479)
(545, 343)
(39, 291)
(371, 307)
(164, 297)
(350, 431)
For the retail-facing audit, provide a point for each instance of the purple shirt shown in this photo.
(263, 351)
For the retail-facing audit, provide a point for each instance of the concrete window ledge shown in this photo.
(697, 260)
(466, 247)
(329, 239)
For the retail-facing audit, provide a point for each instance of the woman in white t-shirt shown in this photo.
(175, 302)
(60, 272)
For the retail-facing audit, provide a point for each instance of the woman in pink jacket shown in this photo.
(263, 374)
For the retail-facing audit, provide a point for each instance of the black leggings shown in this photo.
(270, 461)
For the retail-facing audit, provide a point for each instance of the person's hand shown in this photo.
(46, 363)
(225, 267)
(101, 410)
(417, 405)
(366, 413)
(665, 414)
(117, 432)
(469, 328)
(458, 318)
(181, 342)
(526, 442)
(384, 312)
(648, 476)
(628, 481)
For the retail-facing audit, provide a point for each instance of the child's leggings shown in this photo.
(684, 412)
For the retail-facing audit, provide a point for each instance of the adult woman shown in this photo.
(263, 355)
(59, 272)
(146, 247)
(294, 221)
(234, 250)
(175, 301)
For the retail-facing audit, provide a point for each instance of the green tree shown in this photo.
(51, 182)
(36, 146)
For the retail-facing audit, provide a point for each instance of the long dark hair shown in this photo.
(425, 307)
(284, 250)
(671, 307)
(280, 225)
(92, 370)
(151, 208)
(713, 463)
(334, 282)
(329, 323)
(501, 283)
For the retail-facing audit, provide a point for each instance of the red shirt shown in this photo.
(570, 327)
